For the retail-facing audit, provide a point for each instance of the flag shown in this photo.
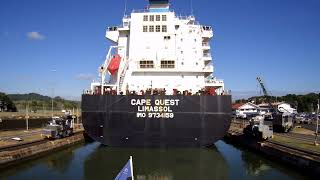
(126, 172)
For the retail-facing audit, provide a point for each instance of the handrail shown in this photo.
(205, 44)
(207, 55)
(147, 10)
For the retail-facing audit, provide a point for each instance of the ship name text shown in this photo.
(159, 108)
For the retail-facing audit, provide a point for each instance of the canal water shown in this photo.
(92, 161)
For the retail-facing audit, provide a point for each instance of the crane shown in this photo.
(280, 120)
(265, 93)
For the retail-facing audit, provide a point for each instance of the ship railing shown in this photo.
(184, 17)
(208, 67)
(207, 55)
(205, 44)
(112, 28)
(215, 81)
(116, 28)
(126, 17)
(207, 28)
(189, 18)
(147, 10)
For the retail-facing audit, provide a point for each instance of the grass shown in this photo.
(25, 139)
(303, 131)
(296, 143)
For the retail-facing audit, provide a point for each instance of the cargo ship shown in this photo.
(156, 85)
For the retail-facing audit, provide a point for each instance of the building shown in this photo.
(247, 109)
(281, 106)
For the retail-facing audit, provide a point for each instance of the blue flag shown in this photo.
(126, 172)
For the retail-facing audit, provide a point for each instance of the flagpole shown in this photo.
(131, 167)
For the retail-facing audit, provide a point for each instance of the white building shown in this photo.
(247, 109)
(160, 49)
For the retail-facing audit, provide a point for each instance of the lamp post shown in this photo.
(53, 70)
(316, 133)
(27, 116)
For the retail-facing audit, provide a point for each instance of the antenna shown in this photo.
(191, 6)
(125, 8)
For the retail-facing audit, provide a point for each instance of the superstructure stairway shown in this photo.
(123, 74)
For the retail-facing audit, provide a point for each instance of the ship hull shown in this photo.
(156, 121)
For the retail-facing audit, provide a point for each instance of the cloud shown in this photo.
(83, 76)
(34, 35)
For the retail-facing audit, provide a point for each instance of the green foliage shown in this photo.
(303, 103)
(29, 97)
(39, 102)
(6, 101)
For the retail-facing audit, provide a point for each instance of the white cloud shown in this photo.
(83, 76)
(34, 35)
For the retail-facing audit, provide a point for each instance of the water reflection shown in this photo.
(92, 161)
(57, 163)
(166, 164)
(254, 166)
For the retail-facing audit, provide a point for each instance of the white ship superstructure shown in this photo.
(159, 50)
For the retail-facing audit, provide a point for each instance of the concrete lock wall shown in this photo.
(16, 124)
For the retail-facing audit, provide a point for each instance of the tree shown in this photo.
(7, 103)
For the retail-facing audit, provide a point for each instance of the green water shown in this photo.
(92, 161)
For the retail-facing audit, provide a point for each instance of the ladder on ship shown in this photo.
(123, 74)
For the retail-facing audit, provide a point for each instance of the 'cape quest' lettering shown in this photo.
(159, 108)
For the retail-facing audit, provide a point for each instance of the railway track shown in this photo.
(287, 148)
(27, 144)
(23, 145)
(301, 137)
(298, 151)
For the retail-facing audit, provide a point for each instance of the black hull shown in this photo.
(185, 121)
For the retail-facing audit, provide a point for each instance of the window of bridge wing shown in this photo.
(167, 64)
(145, 64)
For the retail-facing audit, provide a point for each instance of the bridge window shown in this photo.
(157, 28)
(167, 64)
(164, 28)
(157, 17)
(145, 28)
(145, 18)
(151, 18)
(146, 64)
(151, 28)
(164, 17)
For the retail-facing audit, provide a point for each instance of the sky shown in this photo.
(55, 47)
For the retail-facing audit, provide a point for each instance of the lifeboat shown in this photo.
(114, 64)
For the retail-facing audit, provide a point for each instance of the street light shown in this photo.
(317, 115)
(53, 70)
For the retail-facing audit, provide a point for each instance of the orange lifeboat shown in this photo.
(114, 64)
